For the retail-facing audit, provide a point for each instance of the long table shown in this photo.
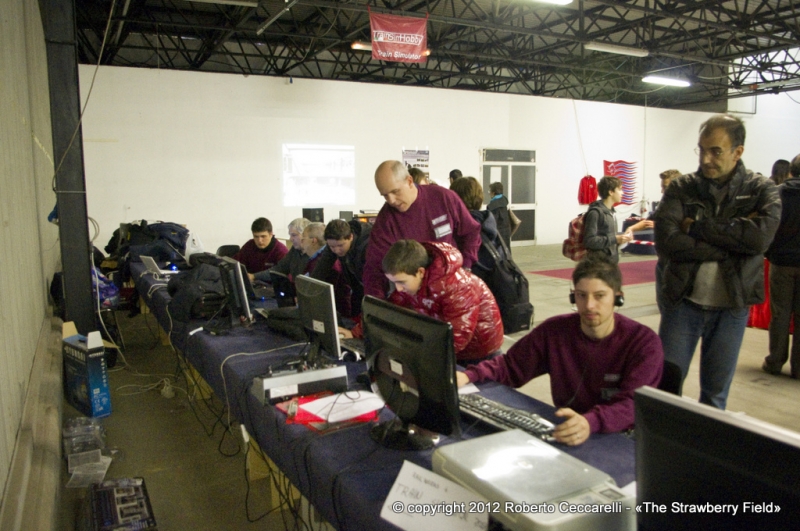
(344, 474)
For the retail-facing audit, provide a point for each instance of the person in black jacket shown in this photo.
(784, 279)
(348, 241)
(498, 206)
(470, 191)
(712, 228)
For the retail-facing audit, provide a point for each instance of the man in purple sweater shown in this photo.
(421, 213)
(596, 358)
(263, 251)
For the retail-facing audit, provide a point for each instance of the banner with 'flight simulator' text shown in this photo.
(396, 38)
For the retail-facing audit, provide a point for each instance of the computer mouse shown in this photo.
(349, 356)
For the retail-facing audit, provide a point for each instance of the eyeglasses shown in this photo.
(714, 153)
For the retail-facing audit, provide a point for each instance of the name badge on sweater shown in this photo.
(442, 230)
(441, 227)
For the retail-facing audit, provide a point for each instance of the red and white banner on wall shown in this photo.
(396, 38)
(626, 171)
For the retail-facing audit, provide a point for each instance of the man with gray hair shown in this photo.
(294, 262)
(712, 228)
(421, 213)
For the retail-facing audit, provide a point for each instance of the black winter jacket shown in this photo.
(785, 248)
(735, 233)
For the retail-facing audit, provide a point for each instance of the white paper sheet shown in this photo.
(344, 406)
(421, 500)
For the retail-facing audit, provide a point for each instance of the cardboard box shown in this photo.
(85, 373)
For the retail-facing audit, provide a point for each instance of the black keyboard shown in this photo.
(505, 417)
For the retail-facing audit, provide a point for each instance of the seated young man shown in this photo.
(596, 358)
(428, 277)
(263, 251)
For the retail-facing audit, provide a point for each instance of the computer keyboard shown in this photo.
(505, 417)
(354, 345)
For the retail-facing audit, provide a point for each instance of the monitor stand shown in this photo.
(400, 435)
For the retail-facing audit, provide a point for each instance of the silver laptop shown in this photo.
(514, 467)
(152, 266)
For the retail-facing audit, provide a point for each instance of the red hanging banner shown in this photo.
(396, 38)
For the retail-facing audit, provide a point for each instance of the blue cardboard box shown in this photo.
(85, 373)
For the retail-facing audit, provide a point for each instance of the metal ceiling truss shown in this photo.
(725, 48)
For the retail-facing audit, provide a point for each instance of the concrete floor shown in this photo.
(195, 470)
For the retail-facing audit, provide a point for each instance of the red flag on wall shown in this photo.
(396, 38)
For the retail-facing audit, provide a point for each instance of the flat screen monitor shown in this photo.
(696, 465)
(283, 288)
(411, 360)
(314, 214)
(232, 274)
(317, 307)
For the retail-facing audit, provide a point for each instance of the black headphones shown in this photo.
(619, 299)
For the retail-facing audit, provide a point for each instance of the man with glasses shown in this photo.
(712, 228)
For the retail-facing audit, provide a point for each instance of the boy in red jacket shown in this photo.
(428, 278)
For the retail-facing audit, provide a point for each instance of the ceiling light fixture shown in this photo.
(361, 45)
(613, 48)
(556, 2)
(245, 3)
(671, 81)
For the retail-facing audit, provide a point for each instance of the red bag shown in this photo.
(573, 246)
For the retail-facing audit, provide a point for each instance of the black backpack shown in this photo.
(508, 285)
(197, 294)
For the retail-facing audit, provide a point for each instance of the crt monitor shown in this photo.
(692, 457)
(232, 275)
(314, 214)
(411, 359)
(317, 308)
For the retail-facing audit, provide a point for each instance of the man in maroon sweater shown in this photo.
(421, 213)
(596, 358)
(263, 251)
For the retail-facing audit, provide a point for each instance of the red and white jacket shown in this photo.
(450, 293)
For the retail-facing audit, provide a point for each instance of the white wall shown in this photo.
(205, 149)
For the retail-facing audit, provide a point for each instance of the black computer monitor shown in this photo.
(411, 359)
(283, 289)
(318, 314)
(231, 274)
(692, 457)
(314, 214)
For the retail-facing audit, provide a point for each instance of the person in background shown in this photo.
(294, 263)
(347, 241)
(666, 177)
(780, 171)
(313, 244)
(784, 279)
(263, 251)
(470, 191)
(600, 223)
(455, 174)
(498, 206)
(428, 278)
(596, 358)
(712, 228)
(419, 176)
(422, 213)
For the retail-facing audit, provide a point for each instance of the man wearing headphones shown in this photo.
(596, 358)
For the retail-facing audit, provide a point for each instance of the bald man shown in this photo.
(421, 213)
